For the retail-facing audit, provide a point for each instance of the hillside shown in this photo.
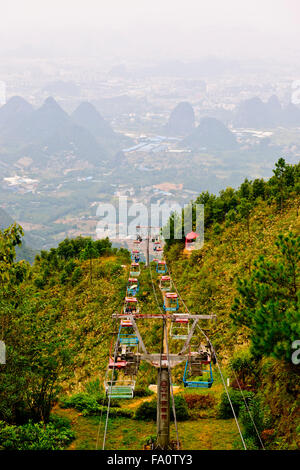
(249, 277)
(254, 113)
(47, 132)
(63, 306)
(211, 134)
(181, 120)
(87, 116)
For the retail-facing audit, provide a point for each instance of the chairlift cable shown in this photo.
(172, 393)
(111, 382)
(249, 412)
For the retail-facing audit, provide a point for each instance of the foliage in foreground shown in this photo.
(225, 410)
(55, 435)
(268, 303)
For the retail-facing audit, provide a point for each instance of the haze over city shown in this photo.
(143, 30)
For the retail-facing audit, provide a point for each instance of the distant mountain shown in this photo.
(291, 115)
(24, 251)
(5, 219)
(15, 111)
(50, 130)
(87, 116)
(42, 123)
(76, 139)
(119, 159)
(254, 113)
(181, 121)
(211, 134)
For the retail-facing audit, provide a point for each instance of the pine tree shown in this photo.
(268, 303)
(89, 253)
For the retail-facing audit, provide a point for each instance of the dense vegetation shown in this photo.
(56, 321)
(233, 206)
(248, 274)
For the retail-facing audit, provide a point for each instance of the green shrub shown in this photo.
(84, 402)
(119, 412)
(35, 436)
(76, 276)
(116, 270)
(63, 277)
(244, 367)
(181, 408)
(147, 411)
(225, 411)
(60, 422)
(40, 282)
(69, 267)
(94, 387)
(257, 414)
(87, 403)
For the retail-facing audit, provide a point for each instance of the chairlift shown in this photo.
(135, 269)
(117, 385)
(161, 267)
(131, 305)
(158, 249)
(127, 337)
(138, 240)
(171, 303)
(131, 358)
(135, 256)
(180, 326)
(125, 323)
(198, 369)
(132, 286)
(165, 283)
(116, 364)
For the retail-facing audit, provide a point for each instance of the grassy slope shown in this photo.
(207, 280)
(207, 283)
(205, 431)
(85, 311)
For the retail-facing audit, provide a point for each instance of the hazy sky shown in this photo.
(151, 28)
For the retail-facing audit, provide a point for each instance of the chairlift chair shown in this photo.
(127, 337)
(199, 365)
(125, 323)
(131, 305)
(161, 267)
(180, 326)
(165, 283)
(132, 286)
(120, 386)
(171, 303)
(135, 256)
(135, 269)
